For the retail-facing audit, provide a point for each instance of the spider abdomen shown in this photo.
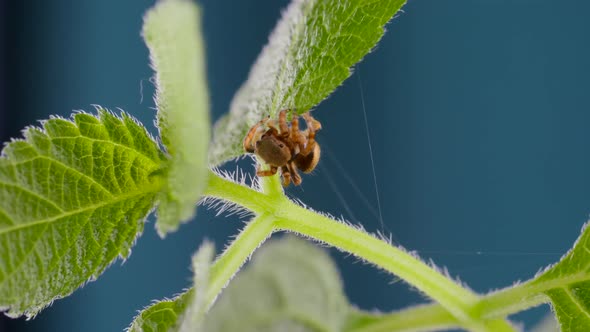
(307, 163)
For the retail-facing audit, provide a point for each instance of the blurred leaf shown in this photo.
(547, 324)
(173, 35)
(186, 311)
(567, 283)
(290, 285)
(161, 316)
(308, 56)
(195, 313)
(73, 197)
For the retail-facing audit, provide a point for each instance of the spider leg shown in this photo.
(294, 125)
(272, 124)
(286, 176)
(296, 137)
(283, 123)
(267, 172)
(313, 125)
(249, 139)
(272, 128)
(294, 174)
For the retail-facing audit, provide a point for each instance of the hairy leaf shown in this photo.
(73, 197)
(193, 317)
(290, 285)
(186, 311)
(567, 283)
(308, 56)
(162, 316)
(173, 35)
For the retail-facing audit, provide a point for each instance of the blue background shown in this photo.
(477, 113)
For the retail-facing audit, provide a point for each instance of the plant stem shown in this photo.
(512, 300)
(378, 252)
(282, 214)
(271, 186)
(416, 319)
(225, 267)
(430, 317)
(227, 190)
(456, 299)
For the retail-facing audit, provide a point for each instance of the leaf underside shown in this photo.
(172, 33)
(308, 56)
(289, 286)
(192, 319)
(186, 311)
(73, 197)
(567, 284)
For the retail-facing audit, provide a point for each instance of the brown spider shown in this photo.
(288, 147)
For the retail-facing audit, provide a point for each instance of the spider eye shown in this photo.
(281, 146)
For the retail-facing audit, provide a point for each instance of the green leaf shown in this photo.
(193, 317)
(308, 56)
(567, 284)
(186, 311)
(173, 35)
(73, 198)
(162, 316)
(290, 285)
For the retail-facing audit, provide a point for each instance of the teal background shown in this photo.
(478, 119)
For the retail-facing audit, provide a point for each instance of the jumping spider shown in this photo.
(288, 147)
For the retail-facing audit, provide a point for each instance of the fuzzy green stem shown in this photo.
(271, 186)
(434, 316)
(512, 300)
(460, 302)
(225, 267)
(378, 252)
(227, 190)
(417, 319)
(456, 299)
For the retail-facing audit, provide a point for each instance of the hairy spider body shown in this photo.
(273, 150)
(286, 147)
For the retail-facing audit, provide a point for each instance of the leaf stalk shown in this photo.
(277, 213)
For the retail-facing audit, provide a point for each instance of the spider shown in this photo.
(287, 147)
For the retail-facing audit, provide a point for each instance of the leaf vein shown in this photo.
(6, 216)
(116, 199)
(68, 167)
(133, 150)
(23, 260)
(575, 301)
(32, 193)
